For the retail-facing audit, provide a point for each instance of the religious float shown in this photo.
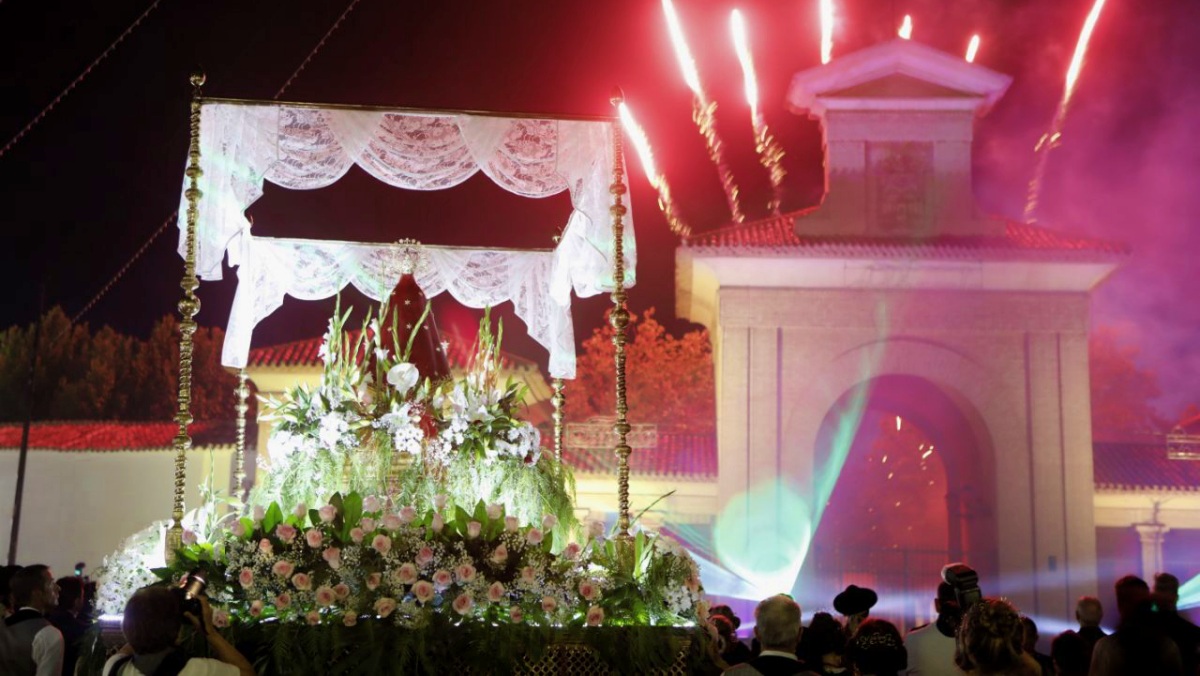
(407, 520)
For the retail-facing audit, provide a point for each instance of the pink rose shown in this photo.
(527, 575)
(406, 574)
(588, 590)
(313, 538)
(463, 604)
(238, 529)
(571, 551)
(473, 528)
(500, 555)
(494, 511)
(374, 580)
(549, 604)
(382, 544)
(372, 504)
(510, 524)
(442, 579)
(465, 572)
(549, 521)
(285, 532)
(439, 501)
(350, 618)
(341, 591)
(300, 511)
(246, 578)
(256, 608)
(357, 535)
(596, 529)
(516, 615)
(495, 593)
(385, 606)
(392, 522)
(367, 524)
(333, 556)
(534, 536)
(301, 581)
(438, 523)
(424, 591)
(282, 568)
(264, 546)
(189, 537)
(283, 601)
(408, 514)
(324, 596)
(595, 615)
(327, 513)
(424, 557)
(220, 618)
(313, 617)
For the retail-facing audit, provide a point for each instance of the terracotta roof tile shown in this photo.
(1142, 465)
(113, 436)
(1019, 240)
(685, 456)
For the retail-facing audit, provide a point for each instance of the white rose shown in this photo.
(403, 377)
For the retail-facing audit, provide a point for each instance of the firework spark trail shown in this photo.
(637, 136)
(973, 48)
(826, 31)
(906, 28)
(1051, 139)
(703, 110)
(770, 154)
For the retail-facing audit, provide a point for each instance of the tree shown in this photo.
(109, 375)
(1121, 392)
(669, 380)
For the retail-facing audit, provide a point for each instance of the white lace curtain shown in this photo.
(311, 270)
(244, 144)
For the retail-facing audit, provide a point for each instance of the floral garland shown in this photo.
(358, 559)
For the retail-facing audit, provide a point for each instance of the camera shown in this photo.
(188, 591)
(965, 582)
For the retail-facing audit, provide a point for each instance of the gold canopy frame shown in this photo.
(189, 306)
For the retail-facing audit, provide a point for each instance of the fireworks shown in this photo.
(769, 152)
(703, 110)
(973, 48)
(906, 28)
(1050, 139)
(642, 145)
(826, 31)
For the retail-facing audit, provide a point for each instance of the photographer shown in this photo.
(153, 618)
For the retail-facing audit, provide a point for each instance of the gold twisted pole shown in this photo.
(559, 401)
(243, 393)
(620, 322)
(704, 115)
(188, 307)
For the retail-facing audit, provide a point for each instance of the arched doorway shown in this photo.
(904, 479)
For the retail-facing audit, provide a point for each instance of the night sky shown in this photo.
(89, 184)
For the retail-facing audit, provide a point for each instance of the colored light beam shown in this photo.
(770, 155)
(906, 28)
(703, 110)
(1189, 594)
(827, 15)
(642, 145)
(1050, 139)
(972, 48)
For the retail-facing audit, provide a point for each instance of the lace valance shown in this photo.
(243, 144)
(312, 269)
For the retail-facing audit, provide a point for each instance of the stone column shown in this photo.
(1151, 535)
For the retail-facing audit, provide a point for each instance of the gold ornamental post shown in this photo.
(188, 307)
(559, 401)
(620, 322)
(242, 407)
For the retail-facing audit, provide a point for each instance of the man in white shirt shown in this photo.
(29, 644)
(931, 647)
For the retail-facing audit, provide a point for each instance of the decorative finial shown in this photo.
(617, 97)
(197, 79)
